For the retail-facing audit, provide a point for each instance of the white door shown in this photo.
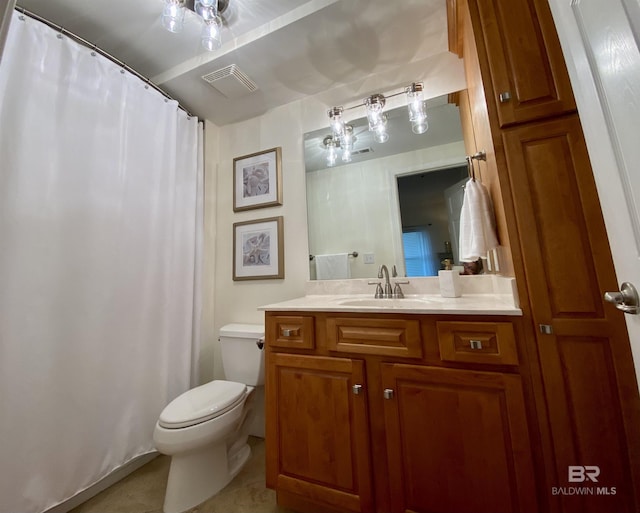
(600, 40)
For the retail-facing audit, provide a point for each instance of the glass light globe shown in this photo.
(420, 126)
(211, 34)
(173, 15)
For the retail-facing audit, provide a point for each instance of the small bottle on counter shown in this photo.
(450, 285)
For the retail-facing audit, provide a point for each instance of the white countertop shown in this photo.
(473, 304)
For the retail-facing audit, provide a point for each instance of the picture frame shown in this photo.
(257, 180)
(258, 249)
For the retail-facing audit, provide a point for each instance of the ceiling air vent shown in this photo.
(231, 81)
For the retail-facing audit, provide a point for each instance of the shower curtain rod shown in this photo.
(102, 52)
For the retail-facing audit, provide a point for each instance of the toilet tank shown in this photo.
(242, 356)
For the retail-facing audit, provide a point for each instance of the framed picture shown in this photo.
(258, 249)
(257, 180)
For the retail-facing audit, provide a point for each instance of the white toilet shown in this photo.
(205, 430)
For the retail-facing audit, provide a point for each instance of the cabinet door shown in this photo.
(317, 430)
(585, 354)
(457, 441)
(527, 70)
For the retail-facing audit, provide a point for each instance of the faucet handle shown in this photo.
(397, 291)
(394, 272)
(379, 274)
(379, 292)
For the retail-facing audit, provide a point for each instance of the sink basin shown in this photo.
(393, 303)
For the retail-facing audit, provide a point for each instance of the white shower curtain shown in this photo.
(100, 220)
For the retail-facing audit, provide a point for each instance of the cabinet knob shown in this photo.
(388, 393)
(504, 97)
(356, 389)
(288, 332)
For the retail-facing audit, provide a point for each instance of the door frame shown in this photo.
(396, 220)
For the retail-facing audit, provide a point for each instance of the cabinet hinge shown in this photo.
(546, 329)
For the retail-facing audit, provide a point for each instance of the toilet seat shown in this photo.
(202, 403)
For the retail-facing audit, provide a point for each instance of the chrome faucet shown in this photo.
(388, 291)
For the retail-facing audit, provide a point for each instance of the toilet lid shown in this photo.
(202, 403)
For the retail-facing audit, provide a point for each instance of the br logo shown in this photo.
(579, 474)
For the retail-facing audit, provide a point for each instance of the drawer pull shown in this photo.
(388, 393)
(356, 389)
(288, 332)
(504, 97)
(475, 344)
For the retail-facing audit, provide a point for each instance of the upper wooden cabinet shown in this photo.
(527, 71)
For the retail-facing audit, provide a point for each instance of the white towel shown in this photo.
(477, 223)
(333, 267)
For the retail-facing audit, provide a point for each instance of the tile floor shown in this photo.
(143, 490)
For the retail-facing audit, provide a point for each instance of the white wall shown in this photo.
(227, 301)
(238, 301)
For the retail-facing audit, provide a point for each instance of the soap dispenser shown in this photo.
(450, 285)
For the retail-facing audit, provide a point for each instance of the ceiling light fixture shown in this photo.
(210, 12)
(342, 134)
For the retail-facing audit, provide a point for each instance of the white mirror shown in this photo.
(396, 203)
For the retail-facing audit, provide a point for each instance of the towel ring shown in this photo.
(481, 155)
(470, 168)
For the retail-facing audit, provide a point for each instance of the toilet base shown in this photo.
(196, 476)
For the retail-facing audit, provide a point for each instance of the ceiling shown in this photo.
(290, 49)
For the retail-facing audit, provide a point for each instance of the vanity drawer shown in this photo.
(385, 337)
(291, 331)
(477, 342)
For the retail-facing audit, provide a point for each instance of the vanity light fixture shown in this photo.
(417, 108)
(336, 122)
(332, 144)
(332, 152)
(376, 116)
(347, 143)
(209, 11)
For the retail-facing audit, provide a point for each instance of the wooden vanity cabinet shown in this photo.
(317, 433)
(457, 440)
(402, 428)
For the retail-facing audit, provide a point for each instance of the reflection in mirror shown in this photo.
(395, 200)
(430, 205)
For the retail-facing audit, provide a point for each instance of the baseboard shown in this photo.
(103, 484)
